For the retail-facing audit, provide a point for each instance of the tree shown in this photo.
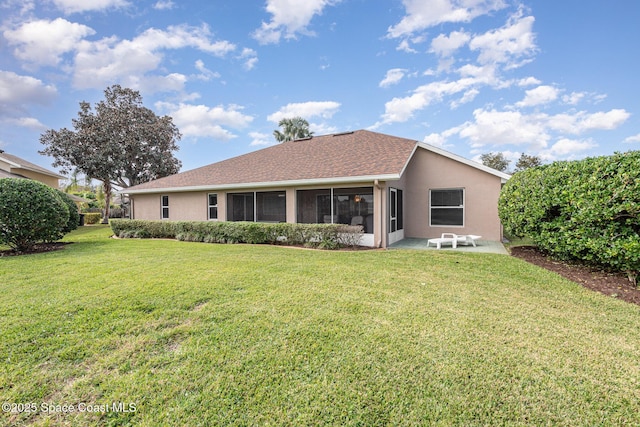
(121, 143)
(292, 129)
(30, 213)
(496, 161)
(526, 161)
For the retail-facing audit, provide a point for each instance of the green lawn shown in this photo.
(203, 334)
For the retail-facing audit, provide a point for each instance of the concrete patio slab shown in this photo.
(482, 246)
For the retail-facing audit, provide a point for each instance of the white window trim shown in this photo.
(464, 207)
(211, 206)
(163, 207)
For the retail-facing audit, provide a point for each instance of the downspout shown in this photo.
(377, 185)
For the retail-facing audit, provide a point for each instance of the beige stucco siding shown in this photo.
(45, 179)
(427, 171)
(188, 206)
(51, 181)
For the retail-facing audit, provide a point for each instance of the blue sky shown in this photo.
(557, 79)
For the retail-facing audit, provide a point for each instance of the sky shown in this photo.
(555, 79)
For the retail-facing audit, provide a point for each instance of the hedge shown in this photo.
(74, 217)
(30, 213)
(326, 236)
(587, 210)
(92, 217)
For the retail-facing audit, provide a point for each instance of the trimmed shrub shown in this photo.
(586, 210)
(74, 216)
(92, 218)
(30, 213)
(326, 236)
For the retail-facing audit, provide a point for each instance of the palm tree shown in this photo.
(292, 129)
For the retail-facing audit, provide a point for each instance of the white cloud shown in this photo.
(528, 81)
(632, 139)
(100, 63)
(539, 95)
(425, 14)
(205, 73)
(26, 122)
(18, 91)
(508, 128)
(306, 110)
(392, 77)
(445, 45)
(468, 96)
(250, 58)
(73, 6)
(512, 42)
(574, 98)
(205, 121)
(43, 42)
(568, 148)
(402, 109)
(580, 122)
(323, 129)
(504, 127)
(164, 5)
(289, 18)
(261, 139)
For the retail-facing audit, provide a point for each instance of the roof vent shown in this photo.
(343, 133)
(303, 139)
(1, 151)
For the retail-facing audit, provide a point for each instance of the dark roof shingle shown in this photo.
(352, 154)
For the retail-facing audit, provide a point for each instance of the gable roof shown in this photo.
(16, 162)
(339, 158)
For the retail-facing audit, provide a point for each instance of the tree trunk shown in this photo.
(107, 201)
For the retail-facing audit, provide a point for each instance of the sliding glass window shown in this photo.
(271, 206)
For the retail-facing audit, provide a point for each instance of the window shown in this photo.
(395, 210)
(271, 206)
(353, 206)
(240, 207)
(447, 207)
(213, 206)
(165, 207)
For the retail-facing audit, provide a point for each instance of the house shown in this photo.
(394, 187)
(14, 167)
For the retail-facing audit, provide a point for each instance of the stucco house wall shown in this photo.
(428, 170)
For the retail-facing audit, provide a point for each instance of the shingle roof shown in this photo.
(347, 155)
(23, 164)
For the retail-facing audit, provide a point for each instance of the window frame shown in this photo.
(452, 207)
(210, 206)
(164, 207)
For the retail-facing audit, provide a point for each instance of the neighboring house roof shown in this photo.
(344, 157)
(16, 162)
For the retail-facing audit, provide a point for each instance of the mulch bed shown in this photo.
(38, 249)
(612, 284)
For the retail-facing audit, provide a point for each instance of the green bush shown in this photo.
(74, 217)
(92, 218)
(586, 210)
(30, 213)
(326, 236)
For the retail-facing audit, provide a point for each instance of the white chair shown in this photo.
(454, 240)
(466, 239)
(357, 220)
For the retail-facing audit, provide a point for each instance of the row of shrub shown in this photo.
(325, 236)
(33, 213)
(586, 210)
(92, 217)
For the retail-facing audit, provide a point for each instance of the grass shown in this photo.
(202, 334)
